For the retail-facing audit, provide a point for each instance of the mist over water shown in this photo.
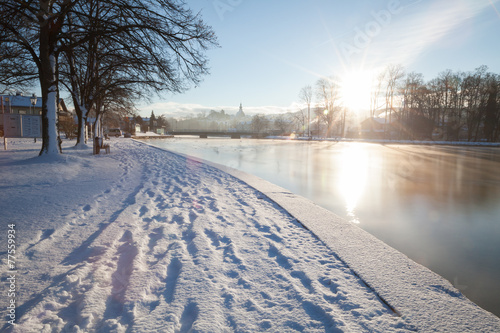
(439, 205)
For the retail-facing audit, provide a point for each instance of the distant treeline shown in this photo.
(453, 106)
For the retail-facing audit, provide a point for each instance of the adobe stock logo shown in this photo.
(365, 34)
(224, 6)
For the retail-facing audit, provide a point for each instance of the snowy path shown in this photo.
(167, 244)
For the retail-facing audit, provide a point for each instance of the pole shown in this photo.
(21, 125)
(309, 121)
(4, 134)
(3, 116)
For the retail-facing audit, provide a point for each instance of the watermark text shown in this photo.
(365, 34)
(11, 273)
(222, 7)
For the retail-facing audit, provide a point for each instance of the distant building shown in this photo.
(240, 113)
(27, 105)
(19, 104)
(373, 125)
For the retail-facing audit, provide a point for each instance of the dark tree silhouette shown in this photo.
(109, 45)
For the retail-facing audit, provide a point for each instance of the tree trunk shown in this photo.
(49, 92)
(81, 112)
(80, 107)
(490, 116)
(82, 137)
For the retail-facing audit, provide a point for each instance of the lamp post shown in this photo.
(33, 100)
(10, 101)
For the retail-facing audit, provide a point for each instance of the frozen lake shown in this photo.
(439, 205)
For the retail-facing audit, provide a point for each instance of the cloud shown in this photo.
(181, 110)
(406, 34)
(410, 37)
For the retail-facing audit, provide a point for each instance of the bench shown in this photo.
(98, 146)
(106, 148)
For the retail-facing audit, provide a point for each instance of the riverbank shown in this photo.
(145, 240)
(151, 135)
(404, 142)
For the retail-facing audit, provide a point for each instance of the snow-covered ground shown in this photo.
(143, 240)
(139, 134)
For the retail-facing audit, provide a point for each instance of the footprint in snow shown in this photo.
(156, 235)
(189, 316)
(120, 279)
(281, 260)
(143, 210)
(46, 233)
(173, 271)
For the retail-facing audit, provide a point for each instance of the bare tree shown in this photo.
(328, 94)
(300, 120)
(446, 106)
(471, 90)
(259, 124)
(305, 96)
(375, 94)
(17, 71)
(409, 88)
(164, 44)
(393, 74)
(448, 85)
(283, 123)
(164, 123)
(35, 27)
(319, 113)
(491, 109)
(153, 48)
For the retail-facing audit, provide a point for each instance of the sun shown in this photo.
(356, 88)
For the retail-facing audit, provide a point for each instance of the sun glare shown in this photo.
(353, 178)
(356, 89)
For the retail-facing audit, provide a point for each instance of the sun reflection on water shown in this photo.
(353, 177)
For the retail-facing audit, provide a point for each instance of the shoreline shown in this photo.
(375, 141)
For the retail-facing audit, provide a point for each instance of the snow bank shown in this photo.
(143, 240)
(140, 134)
(387, 141)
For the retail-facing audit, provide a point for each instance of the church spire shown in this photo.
(240, 112)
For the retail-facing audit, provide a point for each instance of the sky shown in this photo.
(269, 50)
